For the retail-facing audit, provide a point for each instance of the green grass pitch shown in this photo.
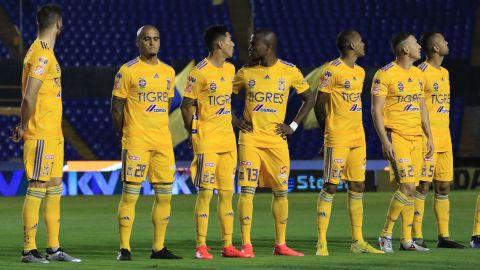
(89, 230)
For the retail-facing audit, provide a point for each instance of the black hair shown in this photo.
(212, 34)
(399, 38)
(426, 40)
(344, 39)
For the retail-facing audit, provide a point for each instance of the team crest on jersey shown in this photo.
(400, 87)
(213, 87)
(142, 83)
(251, 83)
(168, 84)
(435, 86)
(347, 84)
(325, 79)
(281, 84)
(43, 60)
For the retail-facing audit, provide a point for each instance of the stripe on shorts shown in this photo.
(37, 164)
(328, 163)
(198, 176)
(394, 163)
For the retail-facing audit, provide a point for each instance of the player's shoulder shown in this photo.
(286, 64)
(387, 68)
(165, 66)
(202, 65)
(39, 48)
(131, 64)
(423, 66)
(229, 66)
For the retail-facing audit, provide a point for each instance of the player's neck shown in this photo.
(49, 37)
(217, 59)
(404, 62)
(149, 59)
(269, 61)
(435, 60)
(349, 59)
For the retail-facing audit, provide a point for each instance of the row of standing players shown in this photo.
(141, 98)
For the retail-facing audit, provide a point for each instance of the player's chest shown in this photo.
(217, 84)
(267, 83)
(348, 83)
(437, 85)
(405, 85)
(150, 81)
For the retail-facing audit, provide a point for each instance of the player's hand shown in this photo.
(283, 130)
(430, 148)
(244, 125)
(387, 150)
(17, 133)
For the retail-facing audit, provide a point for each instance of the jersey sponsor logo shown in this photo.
(251, 83)
(351, 97)
(190, 82)
(346, 84)
(400, 86)
(260, 108)
(152, 96)
(281, 84)
(134, 158)
(442, 109)
(411, 108)
(246, 163)
(153, 108)
(409, 98)
(142, 83)
(219, 100)
(403, 160)
(355, 108)
(435, 86)
(276, 98)
(50, 157)
(213, 87)
(223, 111)
(39, 70)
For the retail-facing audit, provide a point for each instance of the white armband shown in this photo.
(293, 126)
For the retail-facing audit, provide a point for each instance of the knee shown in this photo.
(423, 187)
(330, 188)
(408, 189)
(356, 186)
(54, 182)
(442, 188)
(37, 184)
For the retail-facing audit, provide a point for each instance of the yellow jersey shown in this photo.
(437, 99)
(343, 123)
(147, 89)
(266, 94)
(211, 87)
(403, 89)
(40, 63)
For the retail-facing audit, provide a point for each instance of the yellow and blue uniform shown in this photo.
(345, 149)
(437, 99)
(403, 89)
(43, 147)
(147, 149)
(213, 139)
(264, 156)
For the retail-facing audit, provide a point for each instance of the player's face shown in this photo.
(442, 45)
(413, 48)
(257, 49)
(359, 45)
(149, 42)
(228, 45)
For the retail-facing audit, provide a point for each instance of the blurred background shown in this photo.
(99, 36)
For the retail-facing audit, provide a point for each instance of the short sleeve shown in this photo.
(40, 62)
(379, 84)
(194, 84)
(171, 84)
(326, 80)
(238, 81)
(121, 83)
(298, 81)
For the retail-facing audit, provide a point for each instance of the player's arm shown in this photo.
(117, 110)
(188, 108)
(238, 85)
(378, 104)
(426, 127)
(320, 108)
(29, 102)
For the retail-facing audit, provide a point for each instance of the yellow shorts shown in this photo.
(43, 159)
(156, 165)
(264, 167)
(344, 163)
(214, 170)
(408, 163)
(438, 167)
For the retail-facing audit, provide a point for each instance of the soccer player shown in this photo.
(141, 98)
(438, 167)
(41, 130)
(339, 113)
(264, 156)
(400, 114)
(208, 97)
(475, 241)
